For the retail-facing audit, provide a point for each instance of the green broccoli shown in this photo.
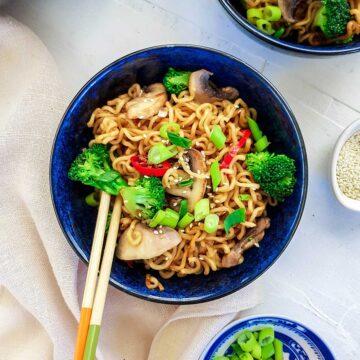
(145, 198)
(332, 17)
(92, 167)
(176, 81)
(274, 173)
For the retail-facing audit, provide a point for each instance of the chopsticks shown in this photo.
(91, 277)
(101, 290)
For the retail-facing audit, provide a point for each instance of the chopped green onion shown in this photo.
(183, 208)
(236, 217)
(254, 127)
(169, 126)
(272, 13)
(266, 336)
(279, 32)
(267, 351)
(211, 223)
(186, 182)
(237, 349)
(265, 26)
(186, 220)
(256, 351)
(179, 140)
(245, 356)
(262, 144)
(156, 220)
(278, 348)
(247, 341)
(158, 153)
(220, 358)
(256, 335)
(244, 197)
(253, 15)
(91, 200)
(217, 137)
(171, 218)
(215, 174)
(201, 209)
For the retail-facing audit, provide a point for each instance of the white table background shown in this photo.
(317, 279)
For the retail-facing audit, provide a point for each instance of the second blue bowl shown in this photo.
(77, 220)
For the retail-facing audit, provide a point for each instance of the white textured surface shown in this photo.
(316, 281)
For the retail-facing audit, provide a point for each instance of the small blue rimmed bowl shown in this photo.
(234, 8)
(77, 220)
(300, 342)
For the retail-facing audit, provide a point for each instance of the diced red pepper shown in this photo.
(235, 149)
(141, 165)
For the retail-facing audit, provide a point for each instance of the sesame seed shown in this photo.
(156, 232)
(197, 143)
(160, 231)
(199, 172)
(202, 153)
(208, 186)
(256, 245)
(191, 225)
(212, 205)
(217, 201)
(145, 136)
(146, 176)
(207, 176)
(184, 192)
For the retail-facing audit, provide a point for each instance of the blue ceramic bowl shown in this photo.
(77, 220)
(234, 8)
(300, 343)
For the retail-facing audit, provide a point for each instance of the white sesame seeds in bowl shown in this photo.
(345, 167)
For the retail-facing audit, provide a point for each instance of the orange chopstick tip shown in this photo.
(83, 329)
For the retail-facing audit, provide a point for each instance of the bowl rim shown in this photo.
(196, 299)
(304, 49)
(350, 130)
(260, 316)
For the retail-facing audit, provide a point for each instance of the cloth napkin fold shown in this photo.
(41, 279)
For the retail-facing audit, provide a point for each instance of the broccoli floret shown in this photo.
(176, 81)
(92, 167)
(274, 173)
(332, 17)
(145, 198)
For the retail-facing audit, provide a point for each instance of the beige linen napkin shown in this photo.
(41, 279)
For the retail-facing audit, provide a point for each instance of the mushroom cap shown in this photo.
(292, 10)
(148, 104)
(204, 92)
(197, 165)
(152, 244)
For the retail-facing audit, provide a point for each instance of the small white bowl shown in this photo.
(345, 135)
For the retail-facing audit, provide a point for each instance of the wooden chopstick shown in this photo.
(91, 277)
(101, 290)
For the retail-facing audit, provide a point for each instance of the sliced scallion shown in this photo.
(266, 336)
(183, 208)
(267, 351)
(155, 221)
(158, 153)
(254, 127)
(186, 220)
(217, 137)
(246, 340)
(236, 217)
(179, 140)
(186, 182)
(272, 13)
(256, 351)
(215, 174)
(171, 126)
(171, 218)
(91, 200)
(262, 144)
(201, 209)
(254, 14)
(211, 223)
(244, 197)
(278, 348)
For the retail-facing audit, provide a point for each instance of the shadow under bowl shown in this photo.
(77, 220)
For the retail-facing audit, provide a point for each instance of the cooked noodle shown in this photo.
(198, 252)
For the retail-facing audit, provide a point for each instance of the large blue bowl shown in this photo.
(77, 220)
(234, 8)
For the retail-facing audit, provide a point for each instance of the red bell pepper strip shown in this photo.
(235, 149)
(140, 164)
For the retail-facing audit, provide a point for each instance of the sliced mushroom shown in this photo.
(197, 165)
(293, 10)
(152, 244)
(148, 104)
(206, 92)
(252, 237)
